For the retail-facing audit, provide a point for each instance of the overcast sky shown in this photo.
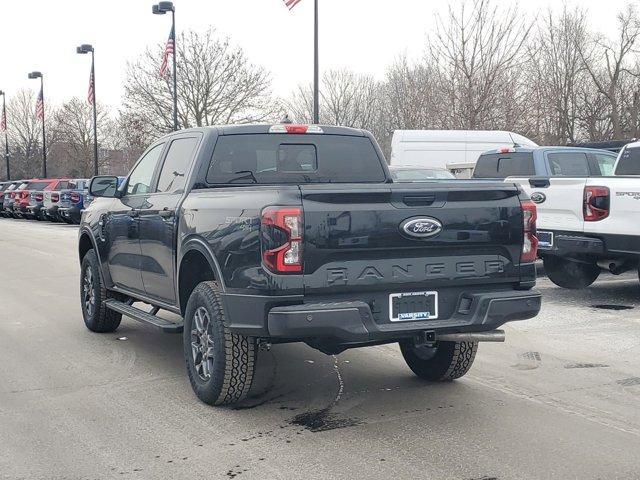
(364, 35)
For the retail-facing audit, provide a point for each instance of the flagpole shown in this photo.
(316, 74)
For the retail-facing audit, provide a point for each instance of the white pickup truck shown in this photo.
(586, 225)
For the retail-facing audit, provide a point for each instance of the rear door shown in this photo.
(158, 219)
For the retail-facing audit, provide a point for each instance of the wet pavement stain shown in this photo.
(612, 307)
(586, 365)
(323, 420)
(629, 382)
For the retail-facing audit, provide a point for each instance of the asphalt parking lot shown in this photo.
(559, 399)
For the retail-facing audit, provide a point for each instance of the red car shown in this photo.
(28, 201)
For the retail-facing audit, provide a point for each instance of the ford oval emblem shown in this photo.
(422, 227)
(538, 197)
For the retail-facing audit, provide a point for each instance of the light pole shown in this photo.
(82, 50)
(6, 134)
(40, 113)
(316, 69)
(160, 9)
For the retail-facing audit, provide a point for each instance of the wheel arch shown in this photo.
(197, 264)
(86, 242)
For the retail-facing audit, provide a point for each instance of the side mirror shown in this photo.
(104, 186)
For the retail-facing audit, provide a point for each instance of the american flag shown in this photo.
(168, 51)
(91, 96)
(40, 106)
(291, 3)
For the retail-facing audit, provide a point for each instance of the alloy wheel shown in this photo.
(88, 294)
(202, 343)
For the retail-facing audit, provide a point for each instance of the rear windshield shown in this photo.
(629, 163)
(281, 158)
(37, 185)
(502, 165)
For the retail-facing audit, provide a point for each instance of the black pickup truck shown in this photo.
(262, 234)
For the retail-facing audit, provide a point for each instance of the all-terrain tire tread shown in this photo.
(463, 356)
(239, 352)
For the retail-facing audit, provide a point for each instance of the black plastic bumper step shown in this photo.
(144, 317)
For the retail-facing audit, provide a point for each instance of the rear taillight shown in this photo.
(596, 203)
(530, 243)
(282, 236)
(39, 197)
(75, 197)
(55, 197)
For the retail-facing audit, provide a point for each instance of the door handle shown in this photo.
(133, 213)
(166, 213)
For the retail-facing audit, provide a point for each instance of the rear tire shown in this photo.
(97, 317)
(445, 361)
(220, 364)
(569, 274)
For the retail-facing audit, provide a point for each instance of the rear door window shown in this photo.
(502, 165)
(629, 163)
(568, 164)
(174, 170)
(605, 164)
(280, 158)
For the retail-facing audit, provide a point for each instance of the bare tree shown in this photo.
(475, 50)
(346, 99)
(73, 126)
(216, 85)
(608, 63)
(557, 74)
(25, 135)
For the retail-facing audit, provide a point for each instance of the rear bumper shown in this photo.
(52, 212)
(569, 244)
(72, 213)
(353, 322)
(34, 209)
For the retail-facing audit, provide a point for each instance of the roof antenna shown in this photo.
(286, 120)
(515, 145)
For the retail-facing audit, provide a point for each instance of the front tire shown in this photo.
(220, 363)
(444, 361)
(570, 274)
(97, 317)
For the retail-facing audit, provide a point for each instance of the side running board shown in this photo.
(144, 317)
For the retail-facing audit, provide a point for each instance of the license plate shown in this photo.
(545, 240)
(413, 306)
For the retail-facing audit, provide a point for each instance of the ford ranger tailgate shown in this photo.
(400, 237)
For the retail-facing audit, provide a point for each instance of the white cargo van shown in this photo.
(455, 150)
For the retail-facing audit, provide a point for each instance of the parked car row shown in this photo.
(54, 199)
